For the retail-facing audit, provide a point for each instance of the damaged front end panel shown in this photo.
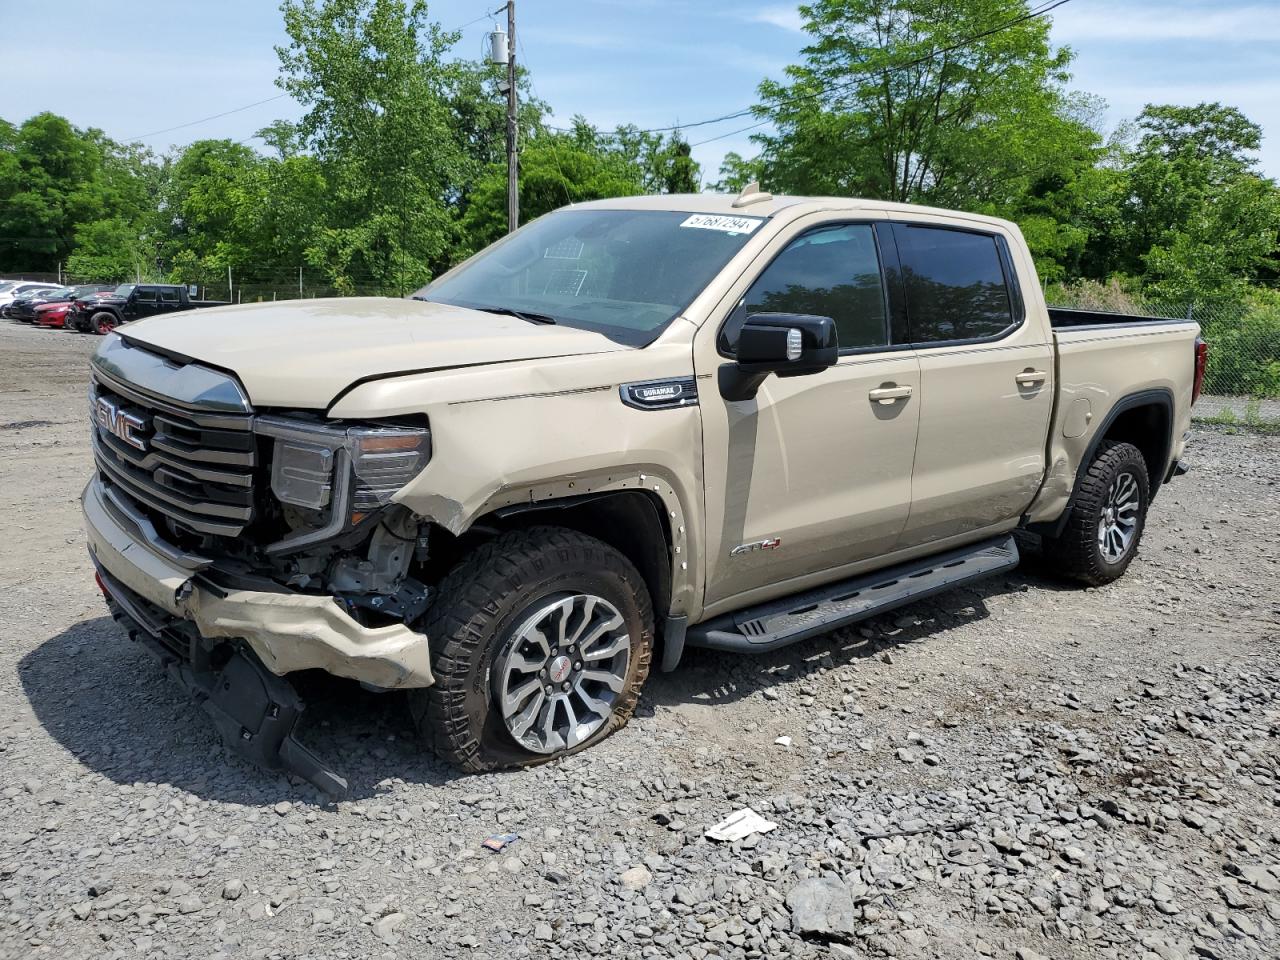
(244, 545)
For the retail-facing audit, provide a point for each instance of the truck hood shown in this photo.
(303, 353)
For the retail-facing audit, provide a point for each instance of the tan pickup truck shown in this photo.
(633, 426)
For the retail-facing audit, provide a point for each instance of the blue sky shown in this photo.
(133, 67)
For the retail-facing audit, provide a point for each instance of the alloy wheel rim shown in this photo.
(1118, 522)
(562, 671)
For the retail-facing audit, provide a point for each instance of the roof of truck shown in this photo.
(767, 205)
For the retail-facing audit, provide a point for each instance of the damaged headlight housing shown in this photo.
(354, 469)
(384, 459)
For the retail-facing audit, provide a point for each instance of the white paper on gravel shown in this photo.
(739, 825)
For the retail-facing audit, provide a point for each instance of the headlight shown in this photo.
(357, 469)
(383, 460)
(302, 473)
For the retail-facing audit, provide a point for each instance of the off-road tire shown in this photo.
(478, 605)
(103, 322)
(1075, 553)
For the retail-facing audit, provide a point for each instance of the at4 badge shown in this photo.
(769, 543)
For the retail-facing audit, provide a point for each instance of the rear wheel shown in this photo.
(1106, 520)
(103, 322)
(542, 641)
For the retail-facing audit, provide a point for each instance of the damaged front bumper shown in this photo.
(168, 592)
(255, 711)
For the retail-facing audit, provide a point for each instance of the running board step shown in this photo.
(790, 619)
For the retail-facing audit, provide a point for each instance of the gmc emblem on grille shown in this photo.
(127, 426)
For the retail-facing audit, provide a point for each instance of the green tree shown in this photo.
(376, 87)
(283, 137)
(478, 113)
(53, 177)
(56, 180)
(736, 173)
(1222, 136)
(665, 163)
(954, 102)
(1190, 213)
(555, 169)
(110, 250)
(205, 202)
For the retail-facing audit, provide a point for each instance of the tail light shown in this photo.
(1202, 357)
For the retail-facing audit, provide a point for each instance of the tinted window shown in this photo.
(147, 293)
(168, 295)
(828, 272)
(954, 283)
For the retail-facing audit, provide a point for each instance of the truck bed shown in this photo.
(1103, 358)
(1069, 317)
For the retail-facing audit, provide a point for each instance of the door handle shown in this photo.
(1028, 378)
(888, 395)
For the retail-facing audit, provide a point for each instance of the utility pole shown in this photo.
(513, 177)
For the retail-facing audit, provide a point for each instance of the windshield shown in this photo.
(124, 289)
(623, 273)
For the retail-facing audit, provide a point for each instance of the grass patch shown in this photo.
(1251, 421)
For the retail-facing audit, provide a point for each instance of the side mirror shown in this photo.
(788, 344)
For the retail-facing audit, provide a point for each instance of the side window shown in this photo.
(169, 294)
(828, 272)
(146, 295)
(954, 282)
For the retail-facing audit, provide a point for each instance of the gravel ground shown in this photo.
(1016, 770)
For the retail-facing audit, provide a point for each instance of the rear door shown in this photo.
(814, 473)
(170, 300)
(986, 375)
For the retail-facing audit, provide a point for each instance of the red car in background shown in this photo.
(52, 314)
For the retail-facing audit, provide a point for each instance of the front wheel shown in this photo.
(542, 640)
(103, 322)
(1106, 520)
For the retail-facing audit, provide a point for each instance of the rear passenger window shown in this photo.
(954, 283)
(828, 272)
(168, 295)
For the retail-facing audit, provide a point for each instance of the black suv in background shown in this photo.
(131, 301)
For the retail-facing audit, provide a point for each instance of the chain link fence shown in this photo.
(1242, 377)
(243, 286)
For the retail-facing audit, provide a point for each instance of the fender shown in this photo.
(104, 308)
(1161, 397)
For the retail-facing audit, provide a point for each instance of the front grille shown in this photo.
(193, 466)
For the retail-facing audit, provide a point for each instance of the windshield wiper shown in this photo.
(524, 315)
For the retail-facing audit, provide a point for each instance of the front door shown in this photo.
(986, 382)
(814, 473)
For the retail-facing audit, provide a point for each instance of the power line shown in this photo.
(225, 113)
(278, 96)
(731, 133)
(555, 154)
(1032, 14)
(483, 16)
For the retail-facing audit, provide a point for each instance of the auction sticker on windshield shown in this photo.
(716, 221)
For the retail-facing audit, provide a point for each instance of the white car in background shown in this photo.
(10, 290)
